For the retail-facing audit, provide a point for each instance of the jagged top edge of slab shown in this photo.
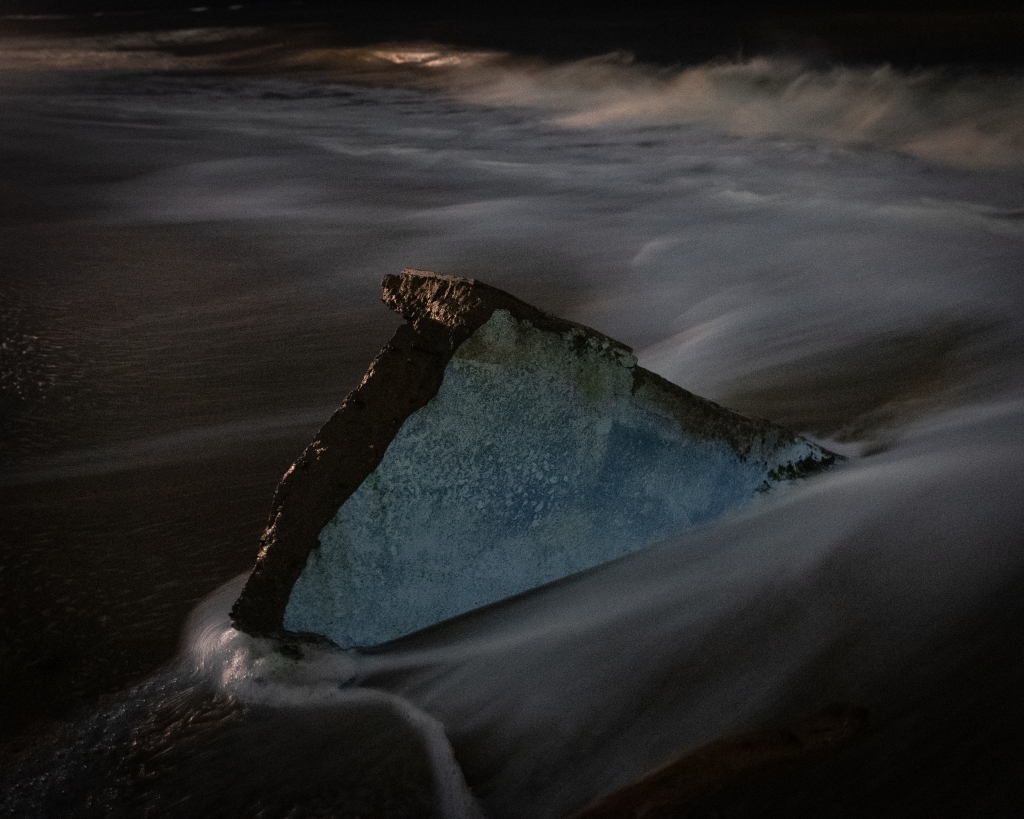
(462, 305)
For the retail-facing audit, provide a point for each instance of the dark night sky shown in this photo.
(902, 32)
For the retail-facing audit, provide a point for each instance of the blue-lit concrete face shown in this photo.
(534, 461)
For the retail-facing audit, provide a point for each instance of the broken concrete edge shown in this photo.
(442, 312)
(669, 790)
(463, 305)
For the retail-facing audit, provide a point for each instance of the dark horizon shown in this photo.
(907, 33)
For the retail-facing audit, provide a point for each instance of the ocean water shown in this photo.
(192, 248)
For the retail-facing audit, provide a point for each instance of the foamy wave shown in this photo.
(968, 119)
(955, 117)
(257, 670)
(963, 118)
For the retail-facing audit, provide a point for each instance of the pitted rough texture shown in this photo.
(443, 483)
(535, 461)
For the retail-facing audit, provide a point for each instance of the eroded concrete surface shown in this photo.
(545, 451)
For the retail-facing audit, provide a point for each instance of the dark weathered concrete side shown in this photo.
(405, 375)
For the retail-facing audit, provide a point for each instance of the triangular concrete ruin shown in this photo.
(490, 449)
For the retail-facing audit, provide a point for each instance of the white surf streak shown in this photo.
(184, 446)
(253, 670)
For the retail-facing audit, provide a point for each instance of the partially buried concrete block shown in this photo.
(492, 448)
